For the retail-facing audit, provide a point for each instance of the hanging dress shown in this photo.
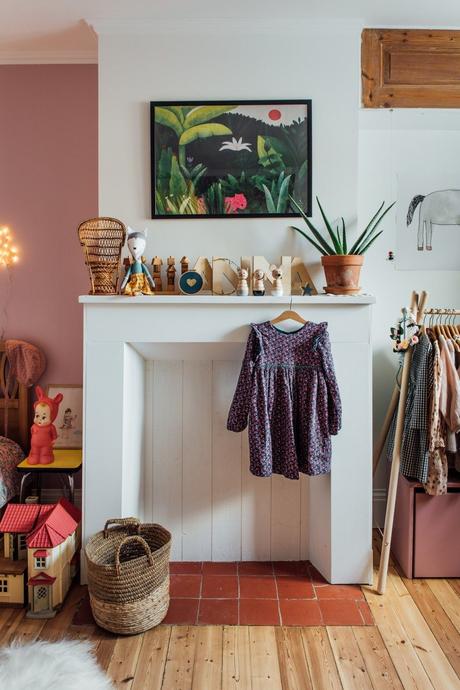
(414, 445)
(287, 394)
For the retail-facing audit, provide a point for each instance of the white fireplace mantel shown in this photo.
(158, 376)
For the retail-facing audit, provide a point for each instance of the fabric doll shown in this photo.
(43, 430)
(137, 280)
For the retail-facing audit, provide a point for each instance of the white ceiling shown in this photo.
(53, 27)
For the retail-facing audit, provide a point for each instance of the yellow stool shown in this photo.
(66, 462)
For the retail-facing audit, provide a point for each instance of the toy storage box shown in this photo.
(426, 538)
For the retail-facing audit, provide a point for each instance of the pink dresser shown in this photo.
(426, 534)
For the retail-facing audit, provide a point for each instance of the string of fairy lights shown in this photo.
(9, 256)
(8, 251)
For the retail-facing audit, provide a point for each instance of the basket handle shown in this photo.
(123, 522)
(141, 541)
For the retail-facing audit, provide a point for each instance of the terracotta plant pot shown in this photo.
(342, 273)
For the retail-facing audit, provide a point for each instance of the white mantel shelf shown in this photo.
(322, 300)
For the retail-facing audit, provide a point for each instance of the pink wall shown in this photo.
(48, 184)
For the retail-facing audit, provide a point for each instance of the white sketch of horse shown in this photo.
(437, 208)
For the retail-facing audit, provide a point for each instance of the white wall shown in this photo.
(318, 60)
(227, 60)
(384, 138)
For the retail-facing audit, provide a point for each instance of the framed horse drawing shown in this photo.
(437, 208)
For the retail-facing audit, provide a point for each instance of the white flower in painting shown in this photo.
(235, 145)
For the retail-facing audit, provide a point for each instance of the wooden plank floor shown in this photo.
(415, 645)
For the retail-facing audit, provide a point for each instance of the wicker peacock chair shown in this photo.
(102, 240)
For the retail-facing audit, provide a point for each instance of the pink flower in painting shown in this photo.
(239, 201)
(201, 206)
(235, 203)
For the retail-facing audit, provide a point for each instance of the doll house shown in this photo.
(41, 544)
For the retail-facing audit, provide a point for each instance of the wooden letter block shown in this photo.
(302, 283)
(224, 276)
(203, 267)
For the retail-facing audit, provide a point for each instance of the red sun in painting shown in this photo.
(274, 114)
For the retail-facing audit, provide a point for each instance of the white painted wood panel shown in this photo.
(285, 519)
(167, 450)
(226, 470)
(255, 511)
(147, 465)
(304, 517)
(197, 461)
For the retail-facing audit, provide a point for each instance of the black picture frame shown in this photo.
(169, 135)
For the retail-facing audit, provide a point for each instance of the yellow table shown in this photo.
(66, 462)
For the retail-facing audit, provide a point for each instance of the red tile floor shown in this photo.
(257, 593)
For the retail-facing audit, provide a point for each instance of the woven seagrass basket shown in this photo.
(102, 240)
(128, 575)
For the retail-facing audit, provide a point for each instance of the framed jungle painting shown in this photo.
(230, 159)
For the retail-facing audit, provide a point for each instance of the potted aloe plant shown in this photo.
(342, 265)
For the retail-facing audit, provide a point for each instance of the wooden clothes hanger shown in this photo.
(289, 314)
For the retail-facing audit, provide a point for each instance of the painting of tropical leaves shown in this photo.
(230, 159)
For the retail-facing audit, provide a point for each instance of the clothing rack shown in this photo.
(398, 398)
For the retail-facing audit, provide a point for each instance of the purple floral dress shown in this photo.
(288, 392)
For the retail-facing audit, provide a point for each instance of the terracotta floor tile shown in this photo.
(256, 568)
(210, 568)
(340, 612)
(182, 612)
(220, 587)
(185, 586)
(218, 612)
(340, 592)
(300, 612)
(253, 587)
(185, 567)
(295, 587)
(365, 611)
(317, 579)
(259, 612)
(283, 568)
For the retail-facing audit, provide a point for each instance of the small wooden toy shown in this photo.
(242, 289)
(258, 286)
(157, 263)
(277, 287)
(190, 282)
(171, 275)
(41, 545)
(43, 431)
(184, 264)
(261, 263)
(137, 280)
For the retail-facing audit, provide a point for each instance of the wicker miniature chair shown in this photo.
(102, 240)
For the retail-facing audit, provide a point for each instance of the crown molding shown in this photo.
(230, 25)
(42, 57)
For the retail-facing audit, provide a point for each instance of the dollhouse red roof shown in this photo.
(46, 525)
(71, 509)
(41, 553)
(41, 579)
(21, 517)
(52, 528)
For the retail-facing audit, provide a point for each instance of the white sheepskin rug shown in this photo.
(63, 665)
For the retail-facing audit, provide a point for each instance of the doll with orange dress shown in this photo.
(43, 430)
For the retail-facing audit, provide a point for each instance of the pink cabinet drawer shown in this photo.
(437, 535)
(426, 534)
